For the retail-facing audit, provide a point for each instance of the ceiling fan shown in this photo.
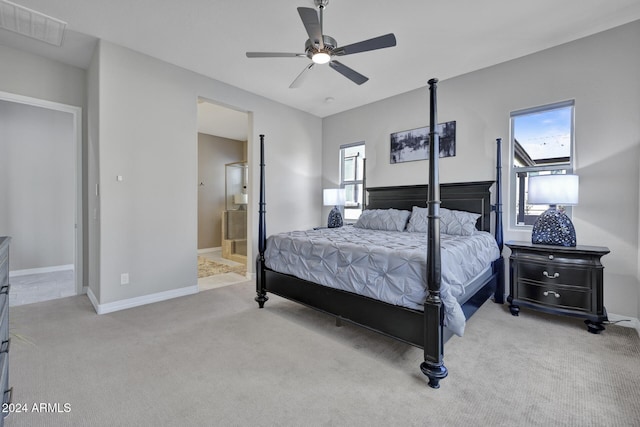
(322, 49)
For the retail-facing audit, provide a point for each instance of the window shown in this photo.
(351, 175)
(542, 143)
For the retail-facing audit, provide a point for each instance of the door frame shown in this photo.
(249, 160)
(76, 113)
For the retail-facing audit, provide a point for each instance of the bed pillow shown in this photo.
(383, 219)
(418, 221)
(459, 223)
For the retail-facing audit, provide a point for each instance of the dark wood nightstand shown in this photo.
(558, 280)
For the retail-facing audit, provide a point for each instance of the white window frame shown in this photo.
(357, 182)
(517, 172)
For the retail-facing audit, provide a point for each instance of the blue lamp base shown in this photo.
(335, 218)
(555, 228)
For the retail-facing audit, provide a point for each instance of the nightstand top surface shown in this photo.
(579, 248)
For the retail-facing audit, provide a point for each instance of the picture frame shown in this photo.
(413, 145)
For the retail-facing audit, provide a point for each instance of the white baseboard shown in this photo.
(207, 250)
(138, 301)
(53, 268)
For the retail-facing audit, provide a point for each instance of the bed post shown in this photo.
(364, 183)
(261, 290)
(498, 265)
(433, 365)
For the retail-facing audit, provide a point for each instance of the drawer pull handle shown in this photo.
(546, 293)
(8, 396)
(555, 275)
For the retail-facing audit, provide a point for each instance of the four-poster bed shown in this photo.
(420, 326)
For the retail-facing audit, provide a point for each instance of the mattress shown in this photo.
(388, 266)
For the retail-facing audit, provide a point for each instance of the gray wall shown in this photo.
(92, 155)
(41, 78)
(37, 185)
(147, 133)
(30, 75)
(142, 125)
(213, 153)
(600, 72)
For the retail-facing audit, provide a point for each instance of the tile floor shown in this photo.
(32, 288)
(220, 280)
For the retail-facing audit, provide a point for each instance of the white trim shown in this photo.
(53, 268)
(208, 250)
(138, 301)
(8, 96)
(626, 321)
(94, 300)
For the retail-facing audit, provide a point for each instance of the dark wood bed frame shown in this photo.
(423, 329)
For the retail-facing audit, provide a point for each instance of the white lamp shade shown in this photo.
(553, 190)
(240, 199)
(333, 197)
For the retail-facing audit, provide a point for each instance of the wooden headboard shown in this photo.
(464, 196)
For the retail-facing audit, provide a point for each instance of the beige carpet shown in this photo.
(208, 268)
(215, 359)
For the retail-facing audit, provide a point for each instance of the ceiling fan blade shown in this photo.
(349, 73)
(312, 25)
(388, 40)
(274, 55)
(301, 77)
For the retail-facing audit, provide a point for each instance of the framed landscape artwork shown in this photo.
(411, 145)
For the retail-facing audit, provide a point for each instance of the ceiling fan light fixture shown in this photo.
(321, 57)
(322, 49)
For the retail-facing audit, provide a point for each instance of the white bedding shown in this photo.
(388, 266)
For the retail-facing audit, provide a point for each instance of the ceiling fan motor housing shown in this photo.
(329, 45)
(321, 49)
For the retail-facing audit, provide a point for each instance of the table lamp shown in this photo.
(241, 199)
(334, 197)
(553, 227)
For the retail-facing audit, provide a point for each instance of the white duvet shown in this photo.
(388, 266)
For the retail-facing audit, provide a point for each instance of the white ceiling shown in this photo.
(437, 38)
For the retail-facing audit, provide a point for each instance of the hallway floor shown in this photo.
(32, 288)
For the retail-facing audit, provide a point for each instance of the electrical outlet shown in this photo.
(124, 279)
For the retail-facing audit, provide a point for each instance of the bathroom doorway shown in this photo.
(222, 195)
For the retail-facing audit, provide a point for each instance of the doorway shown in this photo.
(222, 196)
(41, 145)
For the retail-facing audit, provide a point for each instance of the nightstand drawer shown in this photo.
(558, 279)
(555, 274)
(555, 296)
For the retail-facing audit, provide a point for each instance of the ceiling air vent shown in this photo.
(30, 23)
